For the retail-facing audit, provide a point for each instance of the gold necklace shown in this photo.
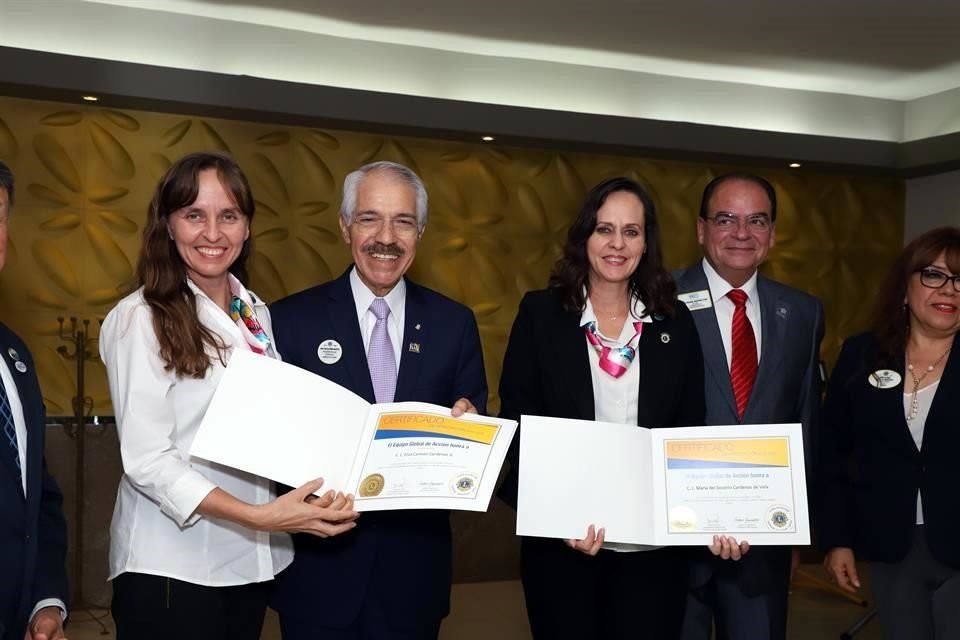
(914, 403)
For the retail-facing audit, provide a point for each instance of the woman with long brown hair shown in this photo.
(889, 471)
(194, 546)
(606, 341)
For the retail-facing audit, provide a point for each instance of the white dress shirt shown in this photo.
(155, 528)
(924, 401)
(616, 399)
(724, 307)
(396, 300)
(20, 425)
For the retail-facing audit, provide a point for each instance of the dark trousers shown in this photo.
(918, 598)
(147, 607)
(371, 624)
(637, 595)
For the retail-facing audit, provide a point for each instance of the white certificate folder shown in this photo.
(677, 486)
(284, 423)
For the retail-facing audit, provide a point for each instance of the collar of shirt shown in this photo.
(636, 313)
(223, 318)
(363, 297)
(719, 288)
(396, 299)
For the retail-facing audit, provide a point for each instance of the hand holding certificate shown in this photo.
(403, 455)
(677, 486)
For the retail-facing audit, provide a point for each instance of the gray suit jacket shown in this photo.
(787, 389)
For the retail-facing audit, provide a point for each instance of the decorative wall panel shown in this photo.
(498, 218)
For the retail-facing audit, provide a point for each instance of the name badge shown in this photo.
(329, 352)
(696, 299)
(884, 379)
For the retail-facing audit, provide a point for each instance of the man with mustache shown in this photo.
(33, 533)
(761, 348)
(388, 339)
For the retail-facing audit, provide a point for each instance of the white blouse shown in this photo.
(924, 401)
(616, 399)
(155, 528)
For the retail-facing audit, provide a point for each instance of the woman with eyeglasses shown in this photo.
(889, 463)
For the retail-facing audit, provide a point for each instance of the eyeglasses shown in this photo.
(934, 279)
(756, 223)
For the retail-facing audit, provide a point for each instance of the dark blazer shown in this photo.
(787, 389)
(403, 557)
(871, 469)
(33, 533)
(546, 371)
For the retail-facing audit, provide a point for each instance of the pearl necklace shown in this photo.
(914, 403)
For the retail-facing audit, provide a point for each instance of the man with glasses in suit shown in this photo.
(761, 345)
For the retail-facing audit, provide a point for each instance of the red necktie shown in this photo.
(743, 362)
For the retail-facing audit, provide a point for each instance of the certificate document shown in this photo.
(662, 486)
(284, 423)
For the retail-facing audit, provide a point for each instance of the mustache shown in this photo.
(392, 249)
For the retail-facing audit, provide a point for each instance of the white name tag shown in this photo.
(884, 379)
(696, 299)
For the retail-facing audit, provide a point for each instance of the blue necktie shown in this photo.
(9, 428)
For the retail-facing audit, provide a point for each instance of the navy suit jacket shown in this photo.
(871, 469)
(402, 558)
(787, 389)
(33, 533)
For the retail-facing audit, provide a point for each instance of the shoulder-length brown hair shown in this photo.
(891, 318)
(650, 282)
(186, 345)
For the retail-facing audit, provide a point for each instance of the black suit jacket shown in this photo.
(871, 469)
(546, 372)
(403, 557)
(33, 533)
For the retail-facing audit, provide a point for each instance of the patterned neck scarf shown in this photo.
(250, 327)
(614, 361)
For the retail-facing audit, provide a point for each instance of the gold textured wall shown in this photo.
(498, 218)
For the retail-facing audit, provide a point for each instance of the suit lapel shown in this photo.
(714, 357)
(343, 318)
(30, 415)
(574, 362)
(774, 315)
(943, 409)
(416, 332)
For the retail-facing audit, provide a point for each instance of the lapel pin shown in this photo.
(665, 338)
(329, 352)
(782, 312)
(13, 354)
(22, 368)
(417, 327)
(657, 317)
(414, 347)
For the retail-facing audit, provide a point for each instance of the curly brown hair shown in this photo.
(891, 318)
(186, 345)
(650, 282)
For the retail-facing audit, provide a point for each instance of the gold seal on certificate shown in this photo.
(779, 518)
(371, 486)
(683, 518)
(464, 484)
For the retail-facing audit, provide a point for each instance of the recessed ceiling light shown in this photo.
(91, 98)
(795, 165)
(487, 138)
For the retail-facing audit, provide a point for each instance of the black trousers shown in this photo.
(637, 595)
(147, 607)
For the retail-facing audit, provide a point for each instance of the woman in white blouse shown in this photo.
(194, 545)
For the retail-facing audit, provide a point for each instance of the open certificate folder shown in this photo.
(676, 486)
(287, 424)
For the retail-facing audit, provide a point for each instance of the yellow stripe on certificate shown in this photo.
(729, 452)
(412, 425)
